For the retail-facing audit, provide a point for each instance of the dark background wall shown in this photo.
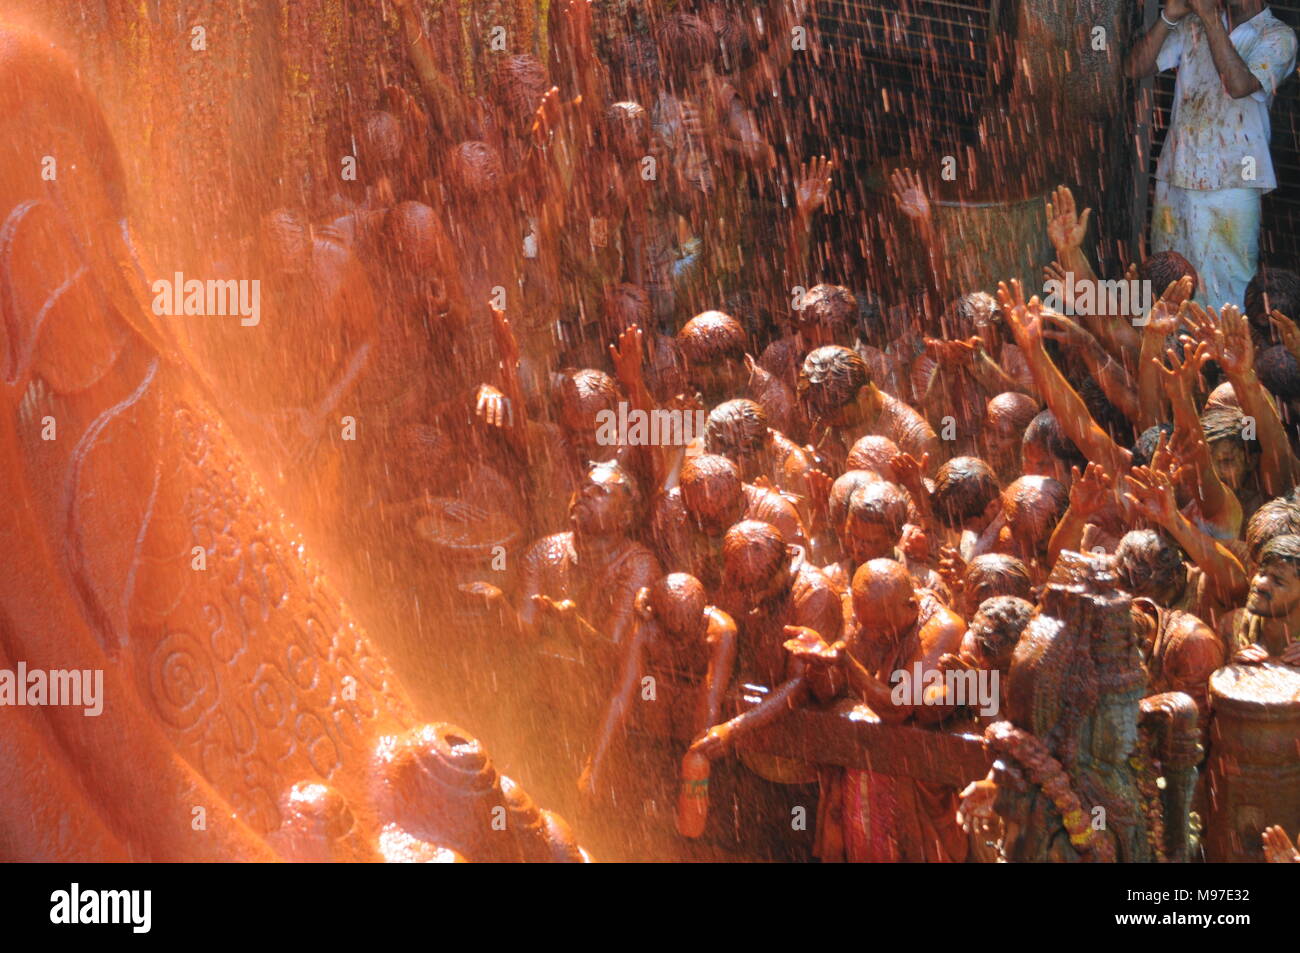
(908, 78)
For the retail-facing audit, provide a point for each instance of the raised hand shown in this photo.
(952, 568)
(1178, 291)
(909, 471)
(814, 185)
(1228, 337)
(909, 194)
(627, 356)
(1057, 327)
(1286, 331)
(1151, 491)
(953, 352)
(493, 408)
(1065, 227)
(1182, 375)
(1278, 848)
(1024, 320)
(1091, 490)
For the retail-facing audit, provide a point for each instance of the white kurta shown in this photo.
(1215, 165)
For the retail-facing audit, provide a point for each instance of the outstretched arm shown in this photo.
(812, 191)
(1025, 322)
(1218, 505)
(721, 639)
(1089, 493)
(1151, 492)
(1106, 371)
(1141, 60)
(914, 203)
(1230, 344)
(621, 701)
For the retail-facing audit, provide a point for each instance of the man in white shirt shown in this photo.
(1231, 56)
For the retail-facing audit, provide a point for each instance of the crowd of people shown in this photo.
(611, 235)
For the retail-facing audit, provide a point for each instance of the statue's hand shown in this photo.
(975, 807)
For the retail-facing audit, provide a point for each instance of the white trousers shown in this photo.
(1217, 231)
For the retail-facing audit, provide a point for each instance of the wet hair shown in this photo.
(998, 623)
(1145, 447)
(977, 308)
(474, 164)
(963, 489)
(685, 44)
(1164, 268)
(1278, 372)
(379, 138)
(714, 473)
(829, 306)
(1224, 423)
(588, 390)
(996, 574)
(736, 427)
(842, 490)
(1149, 563)
(678, 600)
(830, 379)
(1017, 408)
(519, 84)
(1223, 396)
(621, 477)
(1282, 286)
(1033, 506)
(712, 337)
(414, 232)
(737, 48)
(1045, 431)
(622, 118)
(879, 503)
(1278, 517)
(1284, 549)
(752, 551)
(873, 452)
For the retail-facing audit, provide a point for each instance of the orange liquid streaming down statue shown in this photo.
(239, 696)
